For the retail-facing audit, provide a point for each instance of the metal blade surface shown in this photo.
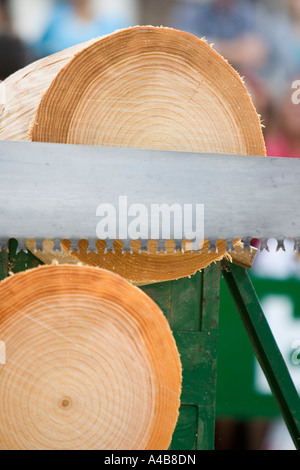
(55, 190)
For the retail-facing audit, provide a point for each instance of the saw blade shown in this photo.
(55, 191)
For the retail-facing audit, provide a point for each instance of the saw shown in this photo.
(55, 191)
(141, 153)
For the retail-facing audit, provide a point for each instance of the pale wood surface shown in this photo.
(25, 89)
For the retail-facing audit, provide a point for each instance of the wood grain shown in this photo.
(91, 363)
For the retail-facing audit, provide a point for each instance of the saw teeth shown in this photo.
(293, 245)
(21, 246)
(171, 247)
(179, 245)
(129, 249)
(150, 246)
(230, 245)
(109, 246)
(56, 244)
(144, 245)
(91, 246)
(247, 243)
(74, 245)
(3, 245)
(127, 245)
(13, 245)
(213, 246)
(40, 244)
(192, 247)
(264, 245)
(280, 245)
(161, 246)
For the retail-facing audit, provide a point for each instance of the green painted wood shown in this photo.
(19, 261)
(191, 306)
(211, 297)
(206, 427)
(185, 308)
(3, 264)
(13, 261)
(186, 432)
(210, 300)
(265, 347)
(161, 293)
(198, 358)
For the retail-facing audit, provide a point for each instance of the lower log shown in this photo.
(91, 363)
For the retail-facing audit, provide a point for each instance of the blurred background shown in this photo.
(261, 40)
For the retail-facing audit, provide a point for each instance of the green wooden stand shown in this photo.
(265, 347)
(191, 306)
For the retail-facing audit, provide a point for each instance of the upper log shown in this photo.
(142, 87)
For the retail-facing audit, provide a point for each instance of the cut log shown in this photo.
(91, 363)
(143, 87)
(144, 267)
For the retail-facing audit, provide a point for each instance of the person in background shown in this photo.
(252, 39)
(14, 55)
(229, 24)
(284, 140)
(72, 22)
(262, 100)
(294, 18)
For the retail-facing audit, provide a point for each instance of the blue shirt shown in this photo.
(65, 29)
(212, 21)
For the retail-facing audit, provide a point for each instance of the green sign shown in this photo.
(242, 391)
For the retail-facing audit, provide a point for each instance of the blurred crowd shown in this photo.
(260, 38)
(263, 45)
